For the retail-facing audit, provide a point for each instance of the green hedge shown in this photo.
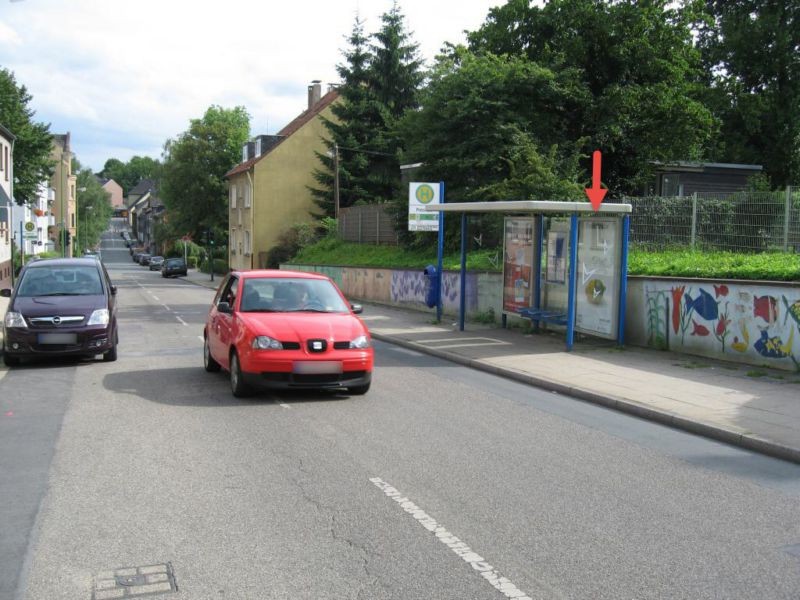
(768, 266)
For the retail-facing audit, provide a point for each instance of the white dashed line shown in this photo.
(285, 405)
(487, 571)
(167, 307)
(184, 323)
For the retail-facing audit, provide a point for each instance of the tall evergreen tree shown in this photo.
(379, 82)
(352, 129)
(395, 78)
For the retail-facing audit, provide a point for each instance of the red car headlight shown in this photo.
(360, 342)
(264, 342)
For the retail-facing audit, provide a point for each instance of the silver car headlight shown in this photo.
(264, 342)
(360, 342)
(99, 317)
(14, 319)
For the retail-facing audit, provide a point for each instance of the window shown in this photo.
(233, 196)
(233, 241)
(6, 169)
(247, 249)
(247, 195)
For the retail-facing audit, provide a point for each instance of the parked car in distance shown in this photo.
(144, 259)
(155, 263)
(61, 306)
(286, 329)
(172, 267)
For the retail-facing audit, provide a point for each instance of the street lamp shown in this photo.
(86, 227)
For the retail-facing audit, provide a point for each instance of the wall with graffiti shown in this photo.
(751, 323)
(407, 287)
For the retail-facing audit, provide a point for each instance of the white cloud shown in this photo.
(133, 74)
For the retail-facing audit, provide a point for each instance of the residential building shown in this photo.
(114, 190)
(269, 190)
(64, 207)
(32, 221)
(7, 140)
(144, 211)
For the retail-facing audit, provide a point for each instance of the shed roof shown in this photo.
(531, 206)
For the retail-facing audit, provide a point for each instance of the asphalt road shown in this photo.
(440, 483)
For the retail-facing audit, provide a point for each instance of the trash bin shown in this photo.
(431, 286)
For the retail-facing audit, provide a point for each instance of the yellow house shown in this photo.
(63, 207)
(269, 189)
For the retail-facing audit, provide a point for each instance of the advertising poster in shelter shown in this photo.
(597, 293)
(518, 257)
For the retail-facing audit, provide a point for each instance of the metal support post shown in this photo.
(623, 280)
(573, 275)
(440, 253)
(462, 306)
(786, 218)
(694, 219)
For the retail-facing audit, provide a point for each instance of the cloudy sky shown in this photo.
(124, 76)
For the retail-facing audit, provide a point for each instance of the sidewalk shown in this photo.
(756, 408)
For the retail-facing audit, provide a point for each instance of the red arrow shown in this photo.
(596, 193)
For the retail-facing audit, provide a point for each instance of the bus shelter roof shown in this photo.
(529, 206)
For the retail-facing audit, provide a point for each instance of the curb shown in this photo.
(747, 441)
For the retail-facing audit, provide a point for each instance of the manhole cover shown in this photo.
(132, 582)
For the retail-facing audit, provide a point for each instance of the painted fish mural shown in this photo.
(677, 294)
(704, 305)
(765, 307)
(792, 310)
(773, 347)
(700, 330)
(741, 345)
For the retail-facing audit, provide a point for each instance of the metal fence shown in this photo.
(743, 221)
(740, 222)
(367, 224)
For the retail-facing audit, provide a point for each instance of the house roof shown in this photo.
(7, 134)
(288, 130)
(686, 165)
(144, 186)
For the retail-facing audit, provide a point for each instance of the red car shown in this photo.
(286, 329)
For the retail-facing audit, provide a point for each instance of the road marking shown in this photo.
(185, 324)
(463, 342)
(407, 351)
(284, 405)
(155, 297)
(165, 306)
(487, 571)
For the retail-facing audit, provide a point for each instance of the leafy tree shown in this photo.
(127, 175)
(483, 124)
(636, 77)
(193, 187)
(94, 207)
(32, 163)
(752, 54)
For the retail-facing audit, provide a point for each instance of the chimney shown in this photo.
(314, 93)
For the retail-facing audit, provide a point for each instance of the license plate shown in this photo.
(58, 338)
(317, 367)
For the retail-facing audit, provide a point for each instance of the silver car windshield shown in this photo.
(291, 295)
(65, 280)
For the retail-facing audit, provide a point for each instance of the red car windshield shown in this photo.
(272, 294)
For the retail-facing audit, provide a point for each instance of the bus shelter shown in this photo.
(564, 263)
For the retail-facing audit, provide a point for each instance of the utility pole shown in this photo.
(335, 180)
